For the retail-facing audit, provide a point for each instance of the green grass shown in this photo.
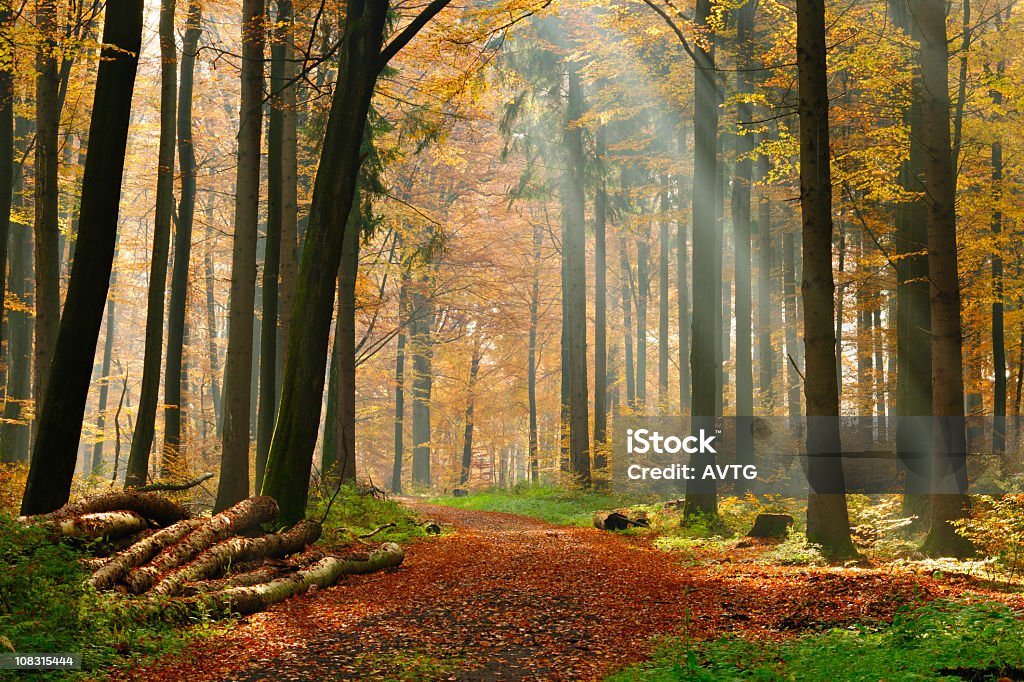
(985, 638)
(353, 513)
(548, 503)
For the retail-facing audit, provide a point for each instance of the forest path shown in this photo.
(512, 598)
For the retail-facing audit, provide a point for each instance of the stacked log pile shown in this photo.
(149, 546)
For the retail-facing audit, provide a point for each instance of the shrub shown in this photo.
(996, 528)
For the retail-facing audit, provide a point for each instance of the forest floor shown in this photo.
(507, 597)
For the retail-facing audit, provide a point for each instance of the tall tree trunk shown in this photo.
(949, 475)
(600, 315)
(743, 175)
(269, 352)
(828, 522)
(531, 388)
(291, 451)
(627, 321)
(664, 254)
(346, 331)
(575, 305)
(403, 332)
(108, 350)
(766, 351)
(60, 422)
(683, 299)
(643, 295)
(421, 338)
(289, 177)
(998, 329)
(701, 495)
(234, 467)
(171, 464)
(467, 438)
(7, 165)
(47, 229)
(211, 323)
(145, 420)
(792, 319)
(15, 430)
(913, 309)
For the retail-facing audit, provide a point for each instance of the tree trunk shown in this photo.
(643, 295)
(949, 475)
(7, 167)
(575, 305)
(14, 432)
(234, 469)
(998, 326)
(289, 177)
(60, 420)
(531, 388)
(706, 330)
(793, 379)
(664, 253)
(211, 324)
(422, 341)
(627, 320)
(467, 439)
(47, 228)
(742, 178)
(172, 464)
(766, 350)
(145, 420)
(403, 331)
(600, 319)
(828, 523)
(346, 333)
(269, 354)
(291, 451)
(913, 311)
(683, 300)
(108, 349)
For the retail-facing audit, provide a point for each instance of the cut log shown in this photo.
(246, 600)
(262, 574)
(460, 492)
(114, 524)
(618, 520)
(771, 526)
(613, 520)
(156, 508)
(214, 561)
(141, 552)
(247, 514)
(174, 487)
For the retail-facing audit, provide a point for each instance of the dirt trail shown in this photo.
(511, 598)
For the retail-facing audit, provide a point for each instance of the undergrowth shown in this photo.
(45, 607)
(355, 511)
(939, 640)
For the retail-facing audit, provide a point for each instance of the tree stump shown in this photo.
(771, 526)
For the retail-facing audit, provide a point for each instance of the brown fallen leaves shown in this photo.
(510, 598)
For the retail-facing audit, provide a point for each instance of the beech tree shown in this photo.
(828, 522)
(60, 419)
